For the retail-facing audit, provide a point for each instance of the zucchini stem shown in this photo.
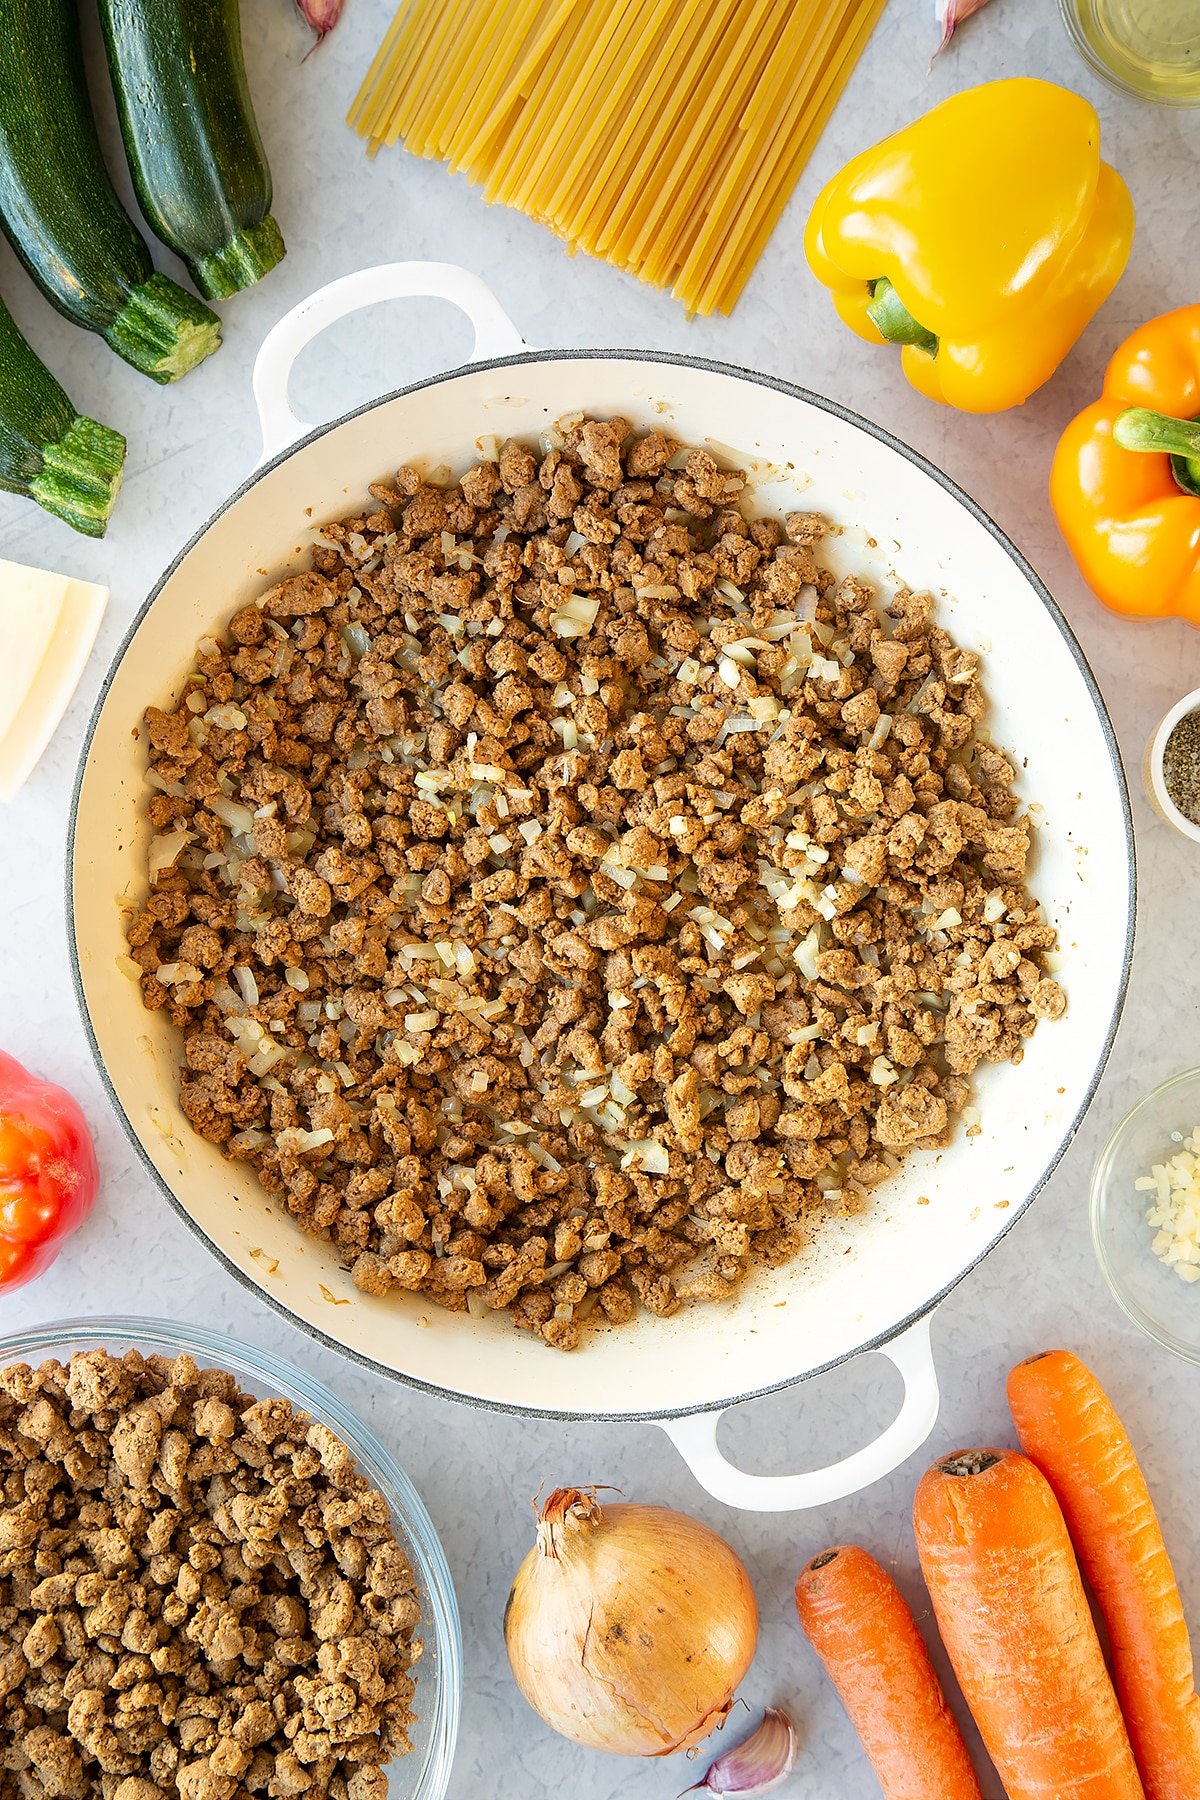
(80, 475)
(249, 255)
(163, 330)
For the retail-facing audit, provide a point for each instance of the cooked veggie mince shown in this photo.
(570, 893)
(200, 1594)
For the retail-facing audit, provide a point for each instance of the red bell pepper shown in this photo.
(48, 1174)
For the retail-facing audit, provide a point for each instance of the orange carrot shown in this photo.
(860, 1627)
(1069, 1427)
(1014, 1618)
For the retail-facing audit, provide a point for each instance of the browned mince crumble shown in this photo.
(570, 893)
(200, 1594)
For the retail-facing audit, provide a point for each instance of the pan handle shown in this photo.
(695, 1438)
(495, 333)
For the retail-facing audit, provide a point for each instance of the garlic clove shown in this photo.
(950, 15)
(322, 15)
(758, 1765)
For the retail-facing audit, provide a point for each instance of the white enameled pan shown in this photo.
(869, 1284)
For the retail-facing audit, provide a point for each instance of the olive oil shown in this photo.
(1147, 47)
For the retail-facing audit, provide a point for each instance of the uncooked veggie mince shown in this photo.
(570, 893)
(200, 1595)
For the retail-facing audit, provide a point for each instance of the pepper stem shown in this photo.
(1137, 428)
(894, 321)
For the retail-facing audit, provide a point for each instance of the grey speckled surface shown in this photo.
(191, 444)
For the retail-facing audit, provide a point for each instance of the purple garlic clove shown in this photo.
(760, 1763)
(322, 15)
(950, 15)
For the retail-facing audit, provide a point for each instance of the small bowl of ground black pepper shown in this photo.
(1172, 766)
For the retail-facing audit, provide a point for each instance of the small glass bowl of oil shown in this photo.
(1148, 48)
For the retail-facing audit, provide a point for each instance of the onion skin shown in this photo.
(629, 1627)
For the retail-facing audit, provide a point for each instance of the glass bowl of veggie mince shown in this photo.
(424, 1772)
(1145, 1209)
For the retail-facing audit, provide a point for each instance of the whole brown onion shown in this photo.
(629, 1627)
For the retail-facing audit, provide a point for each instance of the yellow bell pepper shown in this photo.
(982, 238)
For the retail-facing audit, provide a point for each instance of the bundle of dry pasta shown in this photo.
(662, 135)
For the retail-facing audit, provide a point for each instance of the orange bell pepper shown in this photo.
(1125, 483)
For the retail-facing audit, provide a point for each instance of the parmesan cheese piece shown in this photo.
(48, 624)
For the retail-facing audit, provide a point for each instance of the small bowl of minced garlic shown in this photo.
(1145, 1209)
(1171, 766)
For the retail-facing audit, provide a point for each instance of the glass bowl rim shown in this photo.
(377, 1462)
(1069, 9)
(1100, 1189)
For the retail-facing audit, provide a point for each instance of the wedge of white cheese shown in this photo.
(48, 624)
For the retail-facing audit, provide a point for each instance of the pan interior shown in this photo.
(899, 521)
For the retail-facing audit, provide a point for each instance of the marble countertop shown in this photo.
(189, 445)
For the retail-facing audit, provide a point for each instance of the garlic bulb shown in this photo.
(629, 1627)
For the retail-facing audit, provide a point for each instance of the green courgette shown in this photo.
(61, 211)
(68, 464)
(194, 151)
